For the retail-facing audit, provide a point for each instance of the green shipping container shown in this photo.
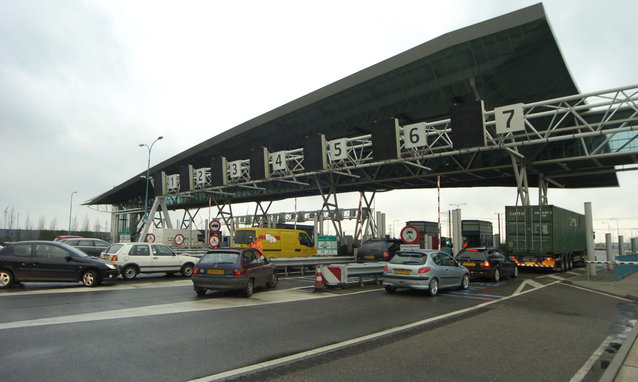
(546, 230)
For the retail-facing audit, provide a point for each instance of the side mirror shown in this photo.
(68, 258)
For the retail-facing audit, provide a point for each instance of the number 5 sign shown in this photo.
(509, 118)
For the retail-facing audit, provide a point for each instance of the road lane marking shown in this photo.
(82, 289)
(529, 282)
(598, 292)
(348, 343)
(198, 305)
(582, 373)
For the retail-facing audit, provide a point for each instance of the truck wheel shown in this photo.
(563, 264)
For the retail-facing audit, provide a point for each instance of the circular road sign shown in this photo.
(410, 235)
(179, 239)
(150, 238)
(214, 241)
(215, 225)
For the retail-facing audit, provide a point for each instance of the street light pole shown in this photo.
(70, 210)
(148, 169)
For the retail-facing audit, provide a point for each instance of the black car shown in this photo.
(51, 261)
(90, 246)
(487, 263)
(378, 250)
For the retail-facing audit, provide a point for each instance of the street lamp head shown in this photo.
(141, 145)
(160, 137)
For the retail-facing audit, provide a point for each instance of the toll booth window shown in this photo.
(304, 240)
(244, 236)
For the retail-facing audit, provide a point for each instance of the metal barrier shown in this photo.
(339, 274)
(303, 262)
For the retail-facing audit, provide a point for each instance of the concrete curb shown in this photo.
(619, 359)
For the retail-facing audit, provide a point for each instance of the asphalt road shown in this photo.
(534, 328)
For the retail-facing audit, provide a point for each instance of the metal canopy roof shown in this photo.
(509, 59)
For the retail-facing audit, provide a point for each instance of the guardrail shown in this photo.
(339, 274)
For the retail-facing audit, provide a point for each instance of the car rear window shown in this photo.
(373, 246)
(409, 258)
(114, 248)
(471, 255)
(220, 258)
(244, 236)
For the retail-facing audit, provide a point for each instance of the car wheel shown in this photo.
(187, 270)
(515, 273)
(274, 280)
(390, 289)
(90, 278)
(6, 279)
(129, 272)
(465, 281)
(248, 291)
(434, 287)
(200, 291)
(497, 275)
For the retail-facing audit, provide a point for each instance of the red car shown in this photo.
(233, 268)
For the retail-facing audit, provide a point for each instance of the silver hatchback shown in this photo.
(424, 269)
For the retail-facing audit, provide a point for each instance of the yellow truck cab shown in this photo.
(277, 242)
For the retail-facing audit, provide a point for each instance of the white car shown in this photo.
(134, 258)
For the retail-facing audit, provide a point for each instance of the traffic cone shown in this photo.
(319, 287)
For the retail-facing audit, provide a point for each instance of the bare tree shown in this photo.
(97, 226)
(11, 218)
(74, 225)
(86, 226)
(53, 225)
(41, 223)
(27, 223)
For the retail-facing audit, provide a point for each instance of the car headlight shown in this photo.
(111, 266)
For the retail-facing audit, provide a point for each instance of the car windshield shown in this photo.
(113, 249)
(409, 258)
(220, 258)
(374, 245)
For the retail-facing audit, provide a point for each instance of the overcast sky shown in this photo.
(84, 82)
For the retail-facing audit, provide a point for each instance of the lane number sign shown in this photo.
(215, 225)
(214, 241)
(200, 176)
(509, 118)
(338, 150)
(179, 239)
(410, 235)
(414, 135)
(234, 169)
(278, 160)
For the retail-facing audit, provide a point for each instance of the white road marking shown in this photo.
(82, 289)
(201, 304)
(582, 373)
(529, 282)
(597, 292)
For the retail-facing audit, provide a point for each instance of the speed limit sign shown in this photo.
(179, 239)
(215, 225)
(410, 235)
(214, 241)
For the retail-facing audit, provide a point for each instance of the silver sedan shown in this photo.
(424, 269)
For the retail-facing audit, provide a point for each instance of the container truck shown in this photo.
(545, 237)
(478, 233)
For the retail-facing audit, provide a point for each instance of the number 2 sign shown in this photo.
(509, 118)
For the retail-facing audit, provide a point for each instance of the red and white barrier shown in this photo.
(613, 262)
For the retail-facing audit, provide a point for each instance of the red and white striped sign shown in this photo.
(332, 275)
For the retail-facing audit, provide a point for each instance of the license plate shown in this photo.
(215, 272)
(469, 264)
(370, 257)
(401, 271)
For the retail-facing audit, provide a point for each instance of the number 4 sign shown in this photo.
(509, 118)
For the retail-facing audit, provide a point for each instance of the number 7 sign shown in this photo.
(509, 118)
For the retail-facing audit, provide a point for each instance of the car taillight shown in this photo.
(385, 268)
(386, 255)
(485, 264)
(195, 271)
(114, 258)
(239, 272)
(424, 270)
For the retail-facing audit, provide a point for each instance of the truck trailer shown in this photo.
(545, 237)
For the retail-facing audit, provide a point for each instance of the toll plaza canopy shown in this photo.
(507, 60)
